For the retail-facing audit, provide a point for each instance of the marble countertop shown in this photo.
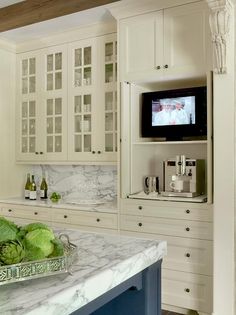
(86, 205)
(104, 261)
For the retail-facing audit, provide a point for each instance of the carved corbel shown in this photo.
(221, 11)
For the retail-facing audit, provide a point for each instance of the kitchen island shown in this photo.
(112, 275)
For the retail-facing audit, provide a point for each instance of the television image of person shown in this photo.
(179, 116)
(162, 117)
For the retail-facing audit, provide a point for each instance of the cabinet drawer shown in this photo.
(103, 220)
(182, 228)
(187, 290)
(33, 213)
(175, 210)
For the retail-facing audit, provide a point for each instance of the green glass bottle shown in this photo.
(33, 189)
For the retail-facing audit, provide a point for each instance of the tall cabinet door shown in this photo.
(82, 100)
(27, 107)
(185, 29)
(53, 119)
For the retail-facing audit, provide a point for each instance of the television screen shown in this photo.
(173, 111)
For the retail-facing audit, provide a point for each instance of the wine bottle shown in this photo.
(33, 194)
(43, 189)
(27, 187)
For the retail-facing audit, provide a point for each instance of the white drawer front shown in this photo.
(187, 290)
(103, 220)
(184, 254)
(182, 228)
(32, 213)
(183, 211)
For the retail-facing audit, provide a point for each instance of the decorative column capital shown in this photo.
(221, 11)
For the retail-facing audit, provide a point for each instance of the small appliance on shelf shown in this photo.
(183, 177)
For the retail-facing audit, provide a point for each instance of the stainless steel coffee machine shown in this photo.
(183, 177)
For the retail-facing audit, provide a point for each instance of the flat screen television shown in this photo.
(175, 115)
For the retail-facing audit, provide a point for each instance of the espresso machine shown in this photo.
(183, 177)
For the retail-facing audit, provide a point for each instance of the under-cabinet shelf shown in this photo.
(170, 142)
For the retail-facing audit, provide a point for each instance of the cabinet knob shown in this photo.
(36, 152)
(187, 290)
(93, 152)
(158, 67)
(187, 211)
(166, 66)
(99, 152)
(9, 210)
(140, 207)
(188, 255)
(187, 229)
(98, 220)
(36, 213)
(65, 216)
(140, 224)
(40, 152)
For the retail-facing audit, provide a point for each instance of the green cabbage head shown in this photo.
(40, 239)
(11, 252)
(8, 230)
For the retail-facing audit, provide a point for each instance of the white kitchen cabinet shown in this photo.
(174, 48)
(92, 100)
(41, 108)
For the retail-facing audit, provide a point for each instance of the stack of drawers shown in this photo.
(187, 227)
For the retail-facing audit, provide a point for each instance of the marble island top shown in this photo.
(104, 261)
(86, 205)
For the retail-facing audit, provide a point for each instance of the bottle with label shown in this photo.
(43, 189)
(33, 189)
(27, 187)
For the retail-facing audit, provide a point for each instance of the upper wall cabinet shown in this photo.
(174, 48)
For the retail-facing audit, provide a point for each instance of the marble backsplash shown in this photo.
(76, 182)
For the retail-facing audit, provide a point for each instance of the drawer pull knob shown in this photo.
(9, 210)
(99, 152)
(93, 152)
(188, 211)
(187, 229)
(40, 152)
(187, 290)
(140, 207)
(140, 224)
(166, 66)
(65, 216)
(98, 220)
(158, 67)
(36, 213)
(188, 255)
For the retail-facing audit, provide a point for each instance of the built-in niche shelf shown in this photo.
(169, 142)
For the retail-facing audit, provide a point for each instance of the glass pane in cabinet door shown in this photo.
(50, 144)
(58, 61)
(77, 103)
(87, 56)
(109, 142)
(49, 107)
(49, 81)
(115, 121)
(32, 84)
(24, 109)
(24, 85)
(78, 120)
(58, 143)
(78, 57)
(58, 106)
(49, 63)
(87, 103)
(32, 66)
(87, 123)
(108, 101)
(116, 72)
(109, 122)
(87, 76)
(32, 109)
(78, 77)
(58, 80)
(32, 126)
(49, 125)
(109, 73)
(108, 51)
(115, 100)
(116, 51)
(32, 144)
(115, 142)
(78, 143)
(24, 67)
(58, 124)
(24, 127)
(24, 145)
(87, 143)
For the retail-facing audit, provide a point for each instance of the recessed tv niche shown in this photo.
(175, 115)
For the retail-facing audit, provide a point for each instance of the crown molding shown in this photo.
(220, 17)
(8, 46)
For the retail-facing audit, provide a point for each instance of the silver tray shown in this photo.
(41, 268)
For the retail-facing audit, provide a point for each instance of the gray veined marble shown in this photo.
(76, 182)
(104, 261)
